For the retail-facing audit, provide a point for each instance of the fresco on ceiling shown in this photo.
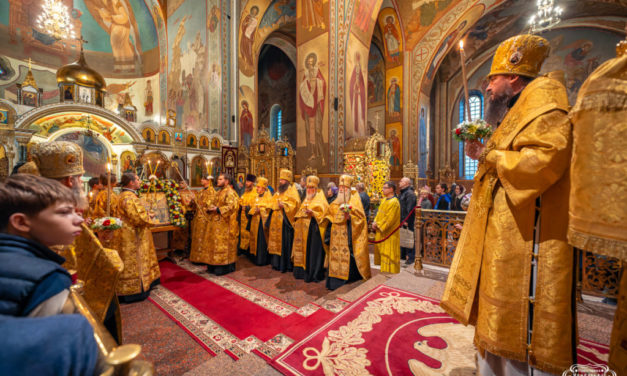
(44, 77)
(247, 107)
(419, 15)
(313, 105)
(50, 124)
(356, 105)
(364, 17)
(157, 16)
(188, 65)
(213, 68)
(142, 92)
(392, 38)
(394, 137)
(393, 99)
(120, 35)
(95, 153)
(312, 19)
(279, 12)
(376, 77)
(248, 30)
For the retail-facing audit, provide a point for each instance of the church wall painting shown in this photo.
(45, 77)
(214, 66)
(356, 99)
(376, 77)
(393, 94)
(392, 38)
(313, 105)
(128, 159)
(312, 19)
(364, 18)
(419, 15)
(250, 16)
(187, 60)
(143, 93)
(278, 13)
(394, 137)
(247, 122)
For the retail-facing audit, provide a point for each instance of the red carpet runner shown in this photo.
(220, 319)
(393, 332)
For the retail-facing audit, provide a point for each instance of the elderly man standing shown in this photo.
(365, 199)
(281, 236)
(223, 231)
(513, 247)
(245, 203)
(97, 266)
(347, 236)
(308, 251)
(258, 215)
(408, 203)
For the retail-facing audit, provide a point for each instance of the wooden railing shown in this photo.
(437, 233)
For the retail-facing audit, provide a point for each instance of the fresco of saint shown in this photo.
(312, 90)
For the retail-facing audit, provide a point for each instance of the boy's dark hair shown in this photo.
(30, 194)
(93, 181)
(104, 179)
(390, 184)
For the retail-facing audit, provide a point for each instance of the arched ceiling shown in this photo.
(122, 35)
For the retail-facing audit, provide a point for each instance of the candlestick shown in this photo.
(108, 189)
(464, 79)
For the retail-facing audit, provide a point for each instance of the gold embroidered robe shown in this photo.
(388, 253)
(529, 155)
(100, 204)
(598, 216)
(221, 236)
(247, 199)
(319, 206)
(291, 202)
(338, 256)
(99, 268)
(134, 243)
(264, 203)
(181, 235)
(200, 224)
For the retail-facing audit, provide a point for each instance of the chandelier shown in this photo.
(546, 17)
(55, 20)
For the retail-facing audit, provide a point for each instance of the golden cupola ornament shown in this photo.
(78, 83)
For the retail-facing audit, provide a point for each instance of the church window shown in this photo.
(276, 122)
(467, 166)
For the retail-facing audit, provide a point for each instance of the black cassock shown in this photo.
(353, 274)
(262, 257)
(314, 263)
(283, 262)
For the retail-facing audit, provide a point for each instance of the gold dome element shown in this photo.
(78, 72)
(30, 79)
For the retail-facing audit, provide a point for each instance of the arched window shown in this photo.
(467, 166)
(276, 122)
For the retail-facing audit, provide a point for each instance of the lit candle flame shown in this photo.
(461, 44)
(108, 167)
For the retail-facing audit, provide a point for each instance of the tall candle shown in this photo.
(462, 57)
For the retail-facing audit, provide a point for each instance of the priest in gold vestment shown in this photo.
(105, 199)
(512, 273)
(98, 267)
(598, 214)
(182, 236)
(200, 225)
(245, 203)
(222, 233)
(308, 252)
(258, 216)
(388, 253)
(134, 243)
(347, 237)
(281, 231)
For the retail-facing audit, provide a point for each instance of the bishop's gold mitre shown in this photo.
(262, 182)
(346, 180)
(313, 181)
(522, 55)
(55, 159)
(285, 174)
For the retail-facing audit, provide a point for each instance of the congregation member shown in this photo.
(388, 252)
(458, 197)
(246, 201)
(223, 229)
(102, 198)
(281, 230)
(135, 245)
(347, 238)
(512, 273)
(444, 199)
(423, 201)
(308, 251)
(331, 192)
(407, 200)
(94, 187)
(365, 199)
(98, 267)
(258, 217)
(202, 202)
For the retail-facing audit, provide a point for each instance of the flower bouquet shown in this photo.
(472, 131)
(346, 208)
(105, 226)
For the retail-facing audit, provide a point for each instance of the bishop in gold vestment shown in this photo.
(598, 197)
(134, 243)
(258, 216)
(221, 239)
(200, 225)
(514, 237)
(347, 236)
(245, 203)
(285, 205)
(308, 252)
(388, 253)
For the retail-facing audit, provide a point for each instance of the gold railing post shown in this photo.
(417, 243)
